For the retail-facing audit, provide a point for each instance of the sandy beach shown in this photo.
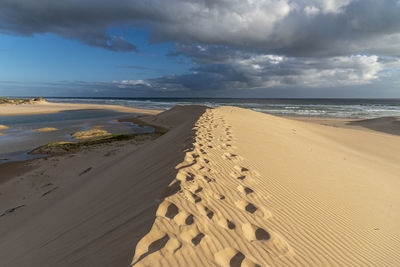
(44, 107)
(222, 187)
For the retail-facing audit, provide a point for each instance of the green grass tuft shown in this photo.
(59, 148)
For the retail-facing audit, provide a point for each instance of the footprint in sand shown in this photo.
(208, 179)
(193, 197)
(245, 190)
(225, 146)
(204, 160)
(185, 176)
(231, 156)
(248, 207)
(205, 211)
(243, 173)
(202, 151)
(168, 210)
(227, 223)
(192, 236)
(198, 190)
(271, 242)
(196, 240)
(239, 176)
(241, 169)
(254, 233)
(173, 245)
(216, 195)
(231, 257)
(184, 218)
(172, 189)
(152, 242)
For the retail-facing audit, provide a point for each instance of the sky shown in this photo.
(200, 48)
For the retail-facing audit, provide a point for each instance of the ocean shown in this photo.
(327, 108)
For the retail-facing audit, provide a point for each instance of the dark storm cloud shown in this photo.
(235, 44)
(85, 21)
(223, 68)
(311, 28)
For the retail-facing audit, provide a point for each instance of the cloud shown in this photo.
(289, 27)
(130, 83)
(223, 69)
(235, 44)
(86, 21)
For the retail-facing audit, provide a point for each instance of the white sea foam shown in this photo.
(335, 108)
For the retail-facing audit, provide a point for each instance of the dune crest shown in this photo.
(234, 203)
(212, 215)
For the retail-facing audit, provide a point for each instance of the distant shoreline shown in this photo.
(32, 106)
(44, 107)
(324, 108)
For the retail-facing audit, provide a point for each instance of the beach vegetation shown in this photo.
(60, 148)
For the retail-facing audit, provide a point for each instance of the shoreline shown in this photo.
(388, 125)
(30, 135)
(141, 120)
(49, 107)
(380, 124)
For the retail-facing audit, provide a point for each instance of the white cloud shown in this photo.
(311, 10)
(130, 83)
(333, 6)
(326, 72)
(315, 7)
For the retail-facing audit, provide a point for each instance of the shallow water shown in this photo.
(20, 138)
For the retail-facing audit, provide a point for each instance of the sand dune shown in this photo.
(261, 190)
(223, 187)
(92, 208)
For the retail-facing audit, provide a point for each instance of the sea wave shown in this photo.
(333, 108)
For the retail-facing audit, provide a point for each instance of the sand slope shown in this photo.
(224, 187)
(90, 209)
(262, 190)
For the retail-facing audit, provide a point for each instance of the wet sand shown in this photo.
(390, 125)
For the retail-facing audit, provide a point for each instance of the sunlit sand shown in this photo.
(223, 187)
